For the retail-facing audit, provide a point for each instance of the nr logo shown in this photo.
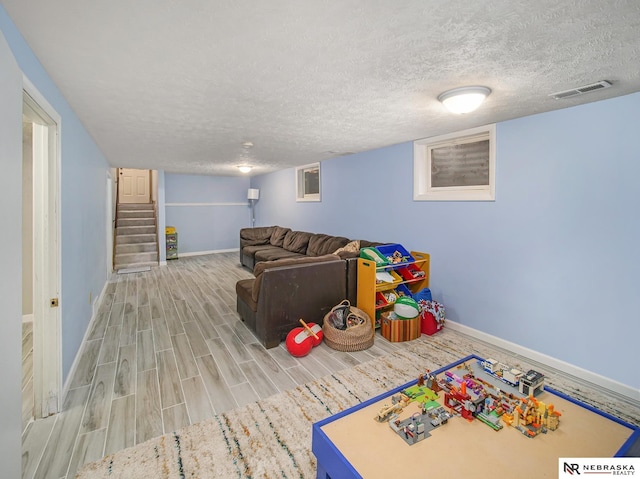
(571, 468)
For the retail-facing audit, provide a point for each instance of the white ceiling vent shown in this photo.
(581, 90)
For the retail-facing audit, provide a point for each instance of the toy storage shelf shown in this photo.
(172, 245)
(409, 277)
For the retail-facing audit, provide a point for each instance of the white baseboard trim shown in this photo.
(74, 365)
(98, 300)
(27, 318)
(200, 253)
(545, 360)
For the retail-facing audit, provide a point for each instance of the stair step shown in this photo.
(135, 238)
(135, 222)
(135, 230)
(135, 265)
(137, 248)
(136, 214)
(135, 206)
(128, 259)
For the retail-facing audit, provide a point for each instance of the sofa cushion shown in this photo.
(296, 241)
(263, 265)
(277, 237)
(256, 236)
(274, 253)
(253, 249)
(321, 244)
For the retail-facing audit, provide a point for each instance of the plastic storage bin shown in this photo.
(374, 255)
(411, 272)
(387, 279)
(395, 254)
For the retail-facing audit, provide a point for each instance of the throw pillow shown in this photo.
(351, 247)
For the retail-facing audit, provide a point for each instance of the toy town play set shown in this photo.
(483, 390)
(404, 307)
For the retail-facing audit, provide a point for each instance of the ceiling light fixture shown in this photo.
(465, 99)
(245, 169)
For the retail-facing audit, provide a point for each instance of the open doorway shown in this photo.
(136, 219)
(41, 245)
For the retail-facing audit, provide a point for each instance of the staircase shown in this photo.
(136, 236)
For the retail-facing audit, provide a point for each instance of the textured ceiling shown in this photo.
(181, 85)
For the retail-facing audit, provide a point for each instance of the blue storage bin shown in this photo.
(423, 295)
(402, 290)
(393, 251)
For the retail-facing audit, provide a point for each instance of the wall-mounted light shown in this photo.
(253, 194)
(245, 169)
(465, 99)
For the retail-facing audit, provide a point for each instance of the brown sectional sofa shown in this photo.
(268, 243)
(297, 275)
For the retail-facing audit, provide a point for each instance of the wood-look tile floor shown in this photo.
(166, 349)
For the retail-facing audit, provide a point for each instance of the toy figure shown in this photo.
(396, 257)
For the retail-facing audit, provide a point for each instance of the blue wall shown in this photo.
(550, 265)
(11, 273)
(208, 211)
(83, 203)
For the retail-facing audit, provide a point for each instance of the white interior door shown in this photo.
(47, 363)
(134, 186)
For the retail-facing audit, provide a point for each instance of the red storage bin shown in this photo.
(428, 324)
(431, 317)
(410, 272)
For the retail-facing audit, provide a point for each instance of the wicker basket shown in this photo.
(355, 338)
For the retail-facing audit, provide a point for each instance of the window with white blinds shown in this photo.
(308, 183)
(456, 167)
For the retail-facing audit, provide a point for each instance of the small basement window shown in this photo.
(308, 182)
(455, 167)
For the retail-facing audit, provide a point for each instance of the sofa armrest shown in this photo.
(255, 236)
(288, 293)
(260, 235)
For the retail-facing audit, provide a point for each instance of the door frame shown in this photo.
(47, 336)
(110, 226)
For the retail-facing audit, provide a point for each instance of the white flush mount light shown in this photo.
(465, 99)
(244, 169)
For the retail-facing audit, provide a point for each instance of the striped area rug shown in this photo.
(272, 438)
